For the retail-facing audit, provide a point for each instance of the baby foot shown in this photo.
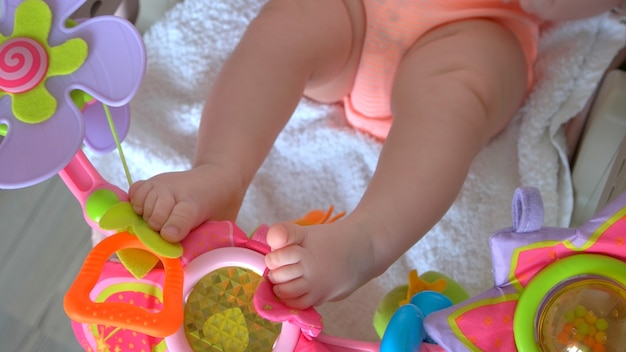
(175, 203)
(311, 265)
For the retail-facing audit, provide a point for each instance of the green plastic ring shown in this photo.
(543, 283)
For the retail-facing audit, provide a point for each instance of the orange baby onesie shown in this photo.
(393, 26)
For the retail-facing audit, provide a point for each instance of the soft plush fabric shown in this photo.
(318, 160)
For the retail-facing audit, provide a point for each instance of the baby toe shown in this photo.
(293, 290)
(286, 273)
(283, 257)
(157, 210)
(285, 234)
(181, 220)
(137, 195)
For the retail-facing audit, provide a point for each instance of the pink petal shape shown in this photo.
(489, 327)
(115, 65)
(269, 307)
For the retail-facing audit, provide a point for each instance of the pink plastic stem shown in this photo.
(83, 179)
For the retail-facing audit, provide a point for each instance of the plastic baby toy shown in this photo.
(555, 289)
(65, 84)
(51, 68)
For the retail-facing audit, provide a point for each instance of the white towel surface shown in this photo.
(318, 160)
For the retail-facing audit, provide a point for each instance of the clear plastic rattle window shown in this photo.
(584, 314)
(220, 315)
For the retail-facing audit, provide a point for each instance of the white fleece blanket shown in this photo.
(318, 160)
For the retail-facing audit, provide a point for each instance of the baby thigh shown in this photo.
(454, 89)
(476, 69)
(345, 21)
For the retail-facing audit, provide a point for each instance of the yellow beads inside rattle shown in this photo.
(583, 326)
(585, 314)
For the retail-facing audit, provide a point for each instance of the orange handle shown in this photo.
(79, 307)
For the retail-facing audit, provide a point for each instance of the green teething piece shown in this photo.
(99, 202)
(154, 241)
(137, 261)
(121, 217)
(454, 291)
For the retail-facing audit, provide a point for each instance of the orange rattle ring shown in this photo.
(81, 308)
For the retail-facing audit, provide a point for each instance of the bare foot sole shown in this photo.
(311, 265)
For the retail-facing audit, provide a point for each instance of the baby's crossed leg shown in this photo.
(290, 45)
(456, 88)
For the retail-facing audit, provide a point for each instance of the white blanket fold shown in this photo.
(318, 160)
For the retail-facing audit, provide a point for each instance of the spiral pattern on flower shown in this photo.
(23, 65)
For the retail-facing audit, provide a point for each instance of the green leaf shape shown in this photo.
(137, 261)
(121, 217)
(155, 242)
(34, 106)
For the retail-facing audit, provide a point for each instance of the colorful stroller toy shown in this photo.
(554, 289)
(67, 83)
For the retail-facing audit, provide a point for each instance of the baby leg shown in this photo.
(457, 87)
(289, 45)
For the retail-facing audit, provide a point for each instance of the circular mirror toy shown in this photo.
(66, 84)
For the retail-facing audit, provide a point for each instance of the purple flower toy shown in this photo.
(47, 62)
